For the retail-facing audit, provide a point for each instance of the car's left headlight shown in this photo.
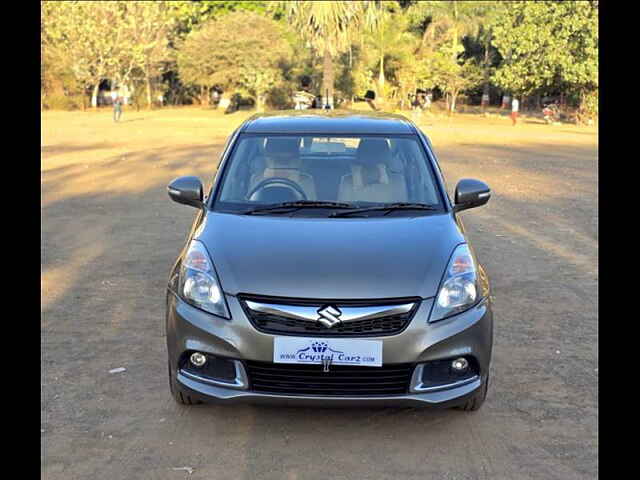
(199, 285)
(459, 289)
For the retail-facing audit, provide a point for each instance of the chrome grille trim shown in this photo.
(349, 314)
(329, 318)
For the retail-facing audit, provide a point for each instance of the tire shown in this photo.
(178, 396)
(475, 402)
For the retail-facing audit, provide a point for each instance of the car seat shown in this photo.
(282, 160)
(373, 178)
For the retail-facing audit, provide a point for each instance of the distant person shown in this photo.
(117, 107)
(370, 97)
(515, 106)
(550, 113)
(224, 103)
(215, 96)
(303, 99)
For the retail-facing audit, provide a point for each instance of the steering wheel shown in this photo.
(277, 180)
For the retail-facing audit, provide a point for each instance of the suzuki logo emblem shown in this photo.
(329, 316)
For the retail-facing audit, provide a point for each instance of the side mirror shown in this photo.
(471, 193)
(186, 190)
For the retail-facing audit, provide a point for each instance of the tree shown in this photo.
(239, 50)
(412, 72)
(486, 15)
(329, 26)
(148, 28)
(191, 14)
(548, 44)
(453, 17)
(445, 23)
(87, 37)
(453, 77)
(108, 40)
(388, 36)
(258, 82)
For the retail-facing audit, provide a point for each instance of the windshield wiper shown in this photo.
(288, 207)
(390, 207)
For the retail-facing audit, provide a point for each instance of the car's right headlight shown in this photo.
(199, 285)
(459, 289)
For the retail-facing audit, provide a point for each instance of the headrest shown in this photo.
(282, 152)
(282, 146)
(372, 151)
(372, 157)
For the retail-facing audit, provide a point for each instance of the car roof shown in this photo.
(332, 122)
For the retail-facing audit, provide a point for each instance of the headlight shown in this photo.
(459, 289)
(198, 283)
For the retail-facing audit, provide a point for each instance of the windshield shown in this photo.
(354, 171)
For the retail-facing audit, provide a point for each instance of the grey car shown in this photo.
(327, 266)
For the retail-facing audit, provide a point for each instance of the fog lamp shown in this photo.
(460, 365)
(198, 359)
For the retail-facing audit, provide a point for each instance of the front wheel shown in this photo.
(475, 402)
(178, 396)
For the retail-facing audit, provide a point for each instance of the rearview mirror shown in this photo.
(186, 190)
(471, 193)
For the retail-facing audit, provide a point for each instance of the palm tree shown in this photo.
(329, 26)
(391, 40)
(455, 19)
(385, 34)
(462, 17)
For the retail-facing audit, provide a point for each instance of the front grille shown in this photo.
(375, 327)
(341, 380)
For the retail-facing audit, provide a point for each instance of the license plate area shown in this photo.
(327, 351)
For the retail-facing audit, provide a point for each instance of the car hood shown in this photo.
(330, 258)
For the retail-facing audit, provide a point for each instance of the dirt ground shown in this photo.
(110, 234)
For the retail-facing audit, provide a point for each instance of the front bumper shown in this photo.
(216, 394)
(467, 334)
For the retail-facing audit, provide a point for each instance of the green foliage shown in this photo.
(435, 59)
(447, 21)
(390, 41)
(258, 82)
(84, 37)
(451, 76)
(239, 50)
(261, 49)
(279, 97)
(63, 102)
(190, 14)
(328, 25)
(345, 80)
(359, 68)
(547, 44)
(588, 110)
(93, 41)
(148, 34)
